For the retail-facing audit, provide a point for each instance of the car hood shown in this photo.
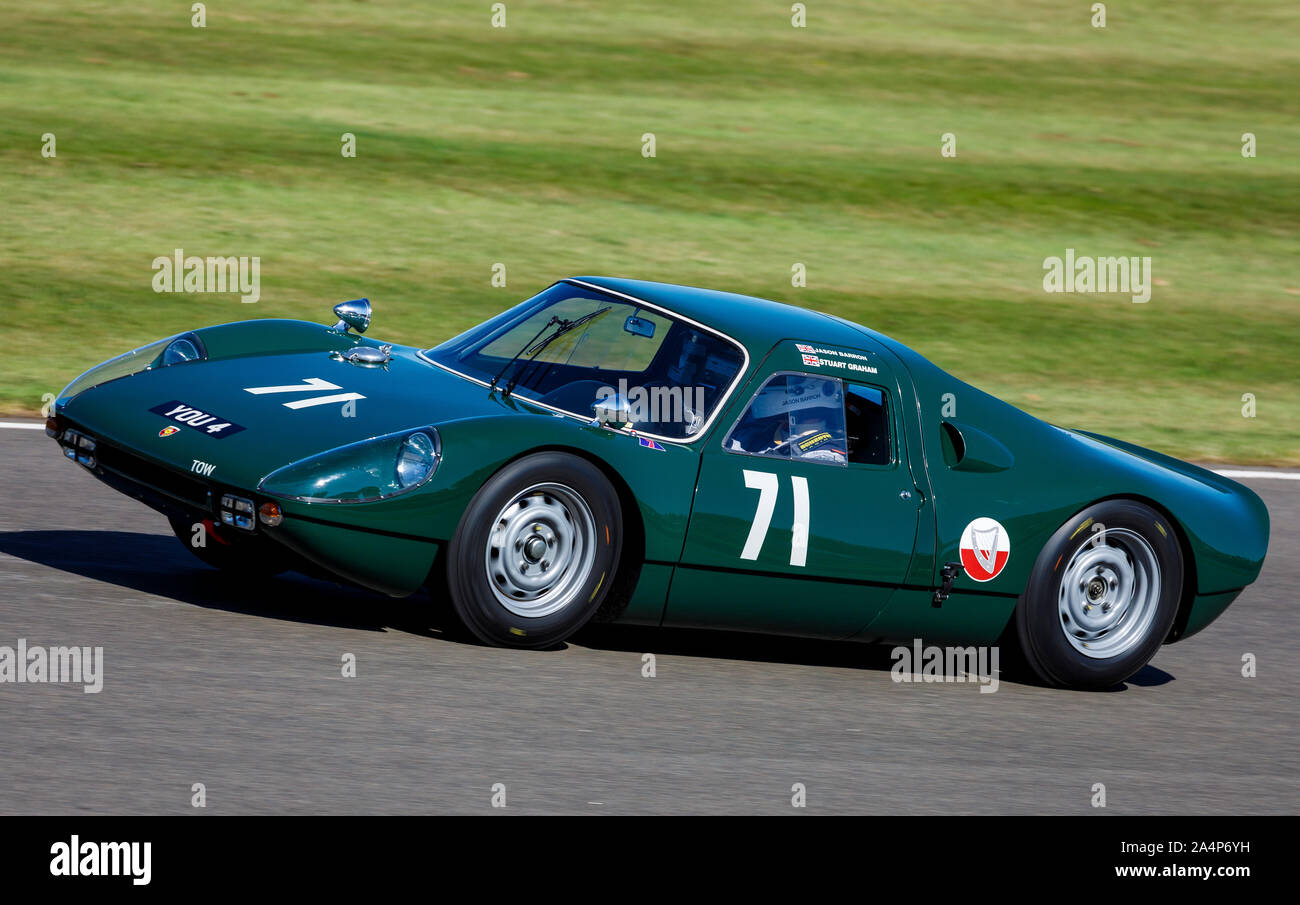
(271, 428)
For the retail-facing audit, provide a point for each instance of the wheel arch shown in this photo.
(1188, 594)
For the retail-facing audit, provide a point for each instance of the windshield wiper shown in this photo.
(534, 347)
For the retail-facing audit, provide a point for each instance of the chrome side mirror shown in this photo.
(612, 409)
(355, 314)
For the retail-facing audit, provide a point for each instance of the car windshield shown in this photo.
(576, 347)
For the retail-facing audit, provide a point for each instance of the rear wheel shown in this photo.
(536, 551)
(1102, 596)
(226, 550)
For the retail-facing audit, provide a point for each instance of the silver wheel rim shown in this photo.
(540, 550)
(1109, 594)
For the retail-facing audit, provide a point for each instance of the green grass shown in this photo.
(776, 145)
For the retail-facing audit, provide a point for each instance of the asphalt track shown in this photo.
(238, 686)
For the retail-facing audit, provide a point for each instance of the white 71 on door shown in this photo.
(767, 484)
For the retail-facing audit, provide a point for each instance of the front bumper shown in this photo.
(390, 563)
(160, 486)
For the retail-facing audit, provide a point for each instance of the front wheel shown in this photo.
(1102, 596)
(536, 551)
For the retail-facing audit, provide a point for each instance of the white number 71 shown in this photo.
(766, 484)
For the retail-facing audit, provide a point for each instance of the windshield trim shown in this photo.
(585, 419)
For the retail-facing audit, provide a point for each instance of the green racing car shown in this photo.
(663, 455)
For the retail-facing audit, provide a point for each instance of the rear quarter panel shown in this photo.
(1056, 473)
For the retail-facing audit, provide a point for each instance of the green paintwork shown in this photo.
(860, 551)
(873, 556)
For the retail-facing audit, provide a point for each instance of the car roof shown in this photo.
(758, 323)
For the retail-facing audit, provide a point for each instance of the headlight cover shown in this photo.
(182, 349)
(159, 354)
(361, 472)
(124, 365)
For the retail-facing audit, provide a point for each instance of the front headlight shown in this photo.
(416, 460)
(362, 472)
(160, 354)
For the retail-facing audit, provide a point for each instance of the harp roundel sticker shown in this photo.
(985, 548)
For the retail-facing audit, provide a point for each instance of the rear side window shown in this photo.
(867, 422)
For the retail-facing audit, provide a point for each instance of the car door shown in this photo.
(805, 513)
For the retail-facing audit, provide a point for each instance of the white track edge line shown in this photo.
(1279, 475)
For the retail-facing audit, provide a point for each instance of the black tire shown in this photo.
(1043, 618)
(229, 551)
(478, 594)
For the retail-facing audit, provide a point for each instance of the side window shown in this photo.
(794, 416)
(867, 417)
